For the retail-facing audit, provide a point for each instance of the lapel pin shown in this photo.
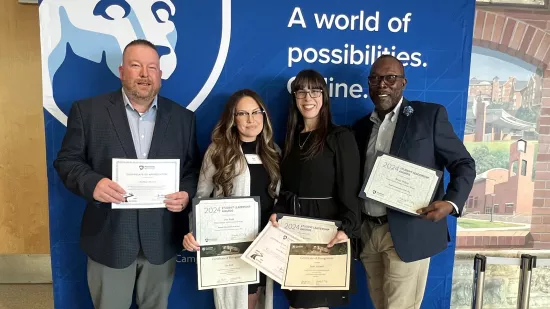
(408, 110)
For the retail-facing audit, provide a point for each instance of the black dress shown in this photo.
(259, 184)
(332, 173)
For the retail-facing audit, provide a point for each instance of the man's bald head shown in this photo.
(389, 59)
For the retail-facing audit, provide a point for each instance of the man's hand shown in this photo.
(108, 191)
(436, 210)
(340, 237)
(176, 202)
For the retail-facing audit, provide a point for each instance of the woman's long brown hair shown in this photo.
(312, 80)
(226, 150)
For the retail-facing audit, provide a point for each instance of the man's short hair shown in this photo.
(141, 42)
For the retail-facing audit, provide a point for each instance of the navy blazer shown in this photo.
(425, 137)
(97, 132)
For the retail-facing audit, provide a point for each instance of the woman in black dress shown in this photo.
(320, 169)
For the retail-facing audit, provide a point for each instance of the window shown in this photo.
(488, 210)
(523, 168)
(514, 168)
(509, 208)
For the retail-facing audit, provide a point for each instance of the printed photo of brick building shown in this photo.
(508, 128)
(507, 131)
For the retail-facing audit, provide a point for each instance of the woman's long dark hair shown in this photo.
(226, 150)
(310, 79)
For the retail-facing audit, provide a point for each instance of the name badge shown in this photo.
(253, 159)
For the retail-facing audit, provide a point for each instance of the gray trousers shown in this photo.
(112, 288)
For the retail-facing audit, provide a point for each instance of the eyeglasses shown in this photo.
(388, 79)
(314, 93)
(255, 114)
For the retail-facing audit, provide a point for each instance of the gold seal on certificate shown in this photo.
(316, 267)
(400, 184)
(225, 228)
(146, 181)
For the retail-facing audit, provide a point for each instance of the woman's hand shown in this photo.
(189, 243)
(273, 220)
(340, 237)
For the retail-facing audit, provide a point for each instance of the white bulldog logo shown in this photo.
(100, 29)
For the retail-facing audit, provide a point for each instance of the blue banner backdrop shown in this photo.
(213, 48)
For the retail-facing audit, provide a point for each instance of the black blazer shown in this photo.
(425, 137)
(98, 131)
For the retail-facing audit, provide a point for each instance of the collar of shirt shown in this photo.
(127, 101)
(393, 114)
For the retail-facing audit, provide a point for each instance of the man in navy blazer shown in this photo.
(396, 247)
(129, 248)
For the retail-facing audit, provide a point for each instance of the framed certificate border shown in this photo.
(241, 245)
(379, 154)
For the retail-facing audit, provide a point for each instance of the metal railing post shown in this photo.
(480, 263)
(528, 262)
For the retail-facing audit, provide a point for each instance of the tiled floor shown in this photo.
(26, 296)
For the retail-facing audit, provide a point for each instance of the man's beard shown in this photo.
(148, 96)
(133, 91)
(386, 103)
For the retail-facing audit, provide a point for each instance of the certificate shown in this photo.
(225, 228)
(400, 184)
(146, 182)
(315, 267)
(269, 251)
(221, 266)
(309, 229)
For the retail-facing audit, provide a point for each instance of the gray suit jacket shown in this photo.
(97, 132)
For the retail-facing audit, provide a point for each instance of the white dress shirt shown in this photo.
(380, 140)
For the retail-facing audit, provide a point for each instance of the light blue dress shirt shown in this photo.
(142, 126)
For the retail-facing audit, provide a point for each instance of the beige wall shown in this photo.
(23, 183)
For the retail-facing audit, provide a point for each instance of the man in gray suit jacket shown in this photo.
(127, 247)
